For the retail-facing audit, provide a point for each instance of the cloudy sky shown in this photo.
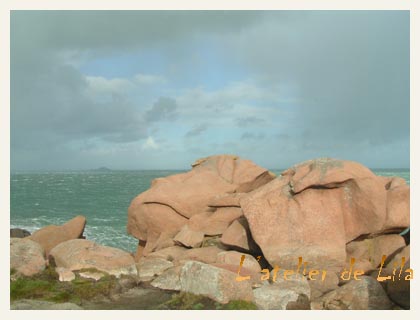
(157, 90)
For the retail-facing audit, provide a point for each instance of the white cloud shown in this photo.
(235, 100)
(101, 85)
(148, 79)
(150, 144)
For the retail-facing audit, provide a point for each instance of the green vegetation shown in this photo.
(189, 301)
(238, 305)
(45, 286)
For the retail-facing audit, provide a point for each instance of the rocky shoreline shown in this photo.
(230, 234)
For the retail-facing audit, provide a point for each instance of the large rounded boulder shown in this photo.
(79, 254)
(313, 209)
(157, 215)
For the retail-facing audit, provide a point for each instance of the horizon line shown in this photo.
(99, 170)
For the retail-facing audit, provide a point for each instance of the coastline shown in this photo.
(197, 243)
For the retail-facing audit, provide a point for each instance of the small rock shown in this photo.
(92, 275)
(19, 233)
(65, 275)
(189, 238)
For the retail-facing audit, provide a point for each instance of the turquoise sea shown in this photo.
(38, 199)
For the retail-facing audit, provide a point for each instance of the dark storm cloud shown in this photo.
(346, 72)
(350, 70)
(112, 30)
(51, 106)
(59, 105)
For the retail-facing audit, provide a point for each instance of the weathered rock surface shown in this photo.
(214, 223)
(214, 241)
(19, 233)
(149, 268)
(365, 294)
(397, 203)
(205, 255)
(65, 275)
(27, 304)
(320, 287)
(368, 253)
(399, 291)
(226, 200)
(397, 287)
(254, 278)
(139, 251)
(283, 295)
(166, 207)
(81, 254)
(27, 257)
(189, 238)
(169, 279)
(234, 258)
(50, 236)
(92, 275)
(316, 207)
(325, 211)
(170, 253)
(216, 283)
(238, 236)
(396, 258)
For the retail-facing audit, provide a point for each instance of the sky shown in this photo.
(159, 89)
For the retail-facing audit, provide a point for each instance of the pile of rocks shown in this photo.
(65, 248)
(228, 219)
(325, 211)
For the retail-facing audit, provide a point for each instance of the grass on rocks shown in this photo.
(46, 286)
(189, 301)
